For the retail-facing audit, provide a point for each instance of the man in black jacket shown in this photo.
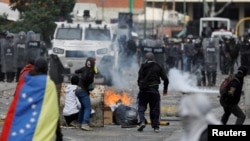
(149, 77)
(234, 92)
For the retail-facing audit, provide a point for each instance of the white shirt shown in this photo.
(72, 104)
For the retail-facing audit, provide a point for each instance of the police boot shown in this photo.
(203, 79)
(214, 79)
(209, 79)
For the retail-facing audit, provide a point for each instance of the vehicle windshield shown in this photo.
(69, 34)
(215, 25)
(97, 34)
(209, 25)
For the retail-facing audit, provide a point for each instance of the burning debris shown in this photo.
(113, 99)
(123, 113)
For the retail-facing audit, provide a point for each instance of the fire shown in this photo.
(111, 98)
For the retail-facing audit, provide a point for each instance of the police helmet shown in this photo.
(190, 36)
(165, 38)
(197, 41)
(21, 33)
(4, 33)
(10, 35)
(31, 35)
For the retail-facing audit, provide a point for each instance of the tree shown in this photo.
(210, 11)
(40, 15)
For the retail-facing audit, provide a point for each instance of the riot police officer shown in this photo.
(21, 52)
(210, 52)
(3, 35)
(229, 52)
(172, 53)
(188, 53)
(199, 63)
(245, 51)
(9, 57)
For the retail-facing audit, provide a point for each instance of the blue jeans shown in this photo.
(85, 111)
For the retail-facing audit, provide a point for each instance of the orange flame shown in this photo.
(111, 98)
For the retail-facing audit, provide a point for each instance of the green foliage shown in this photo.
(3, 20)
(39, 16)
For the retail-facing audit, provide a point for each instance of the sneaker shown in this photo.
(75, 124)
(86, 127)
(141, 127)
(156, 129)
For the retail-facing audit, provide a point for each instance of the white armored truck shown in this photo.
(85, 37)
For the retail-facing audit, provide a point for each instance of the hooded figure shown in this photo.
(149, 78)
(82, 92)
(195, 112)
(86, 73)
(235, 92)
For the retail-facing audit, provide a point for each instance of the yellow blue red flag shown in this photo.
(33, 113)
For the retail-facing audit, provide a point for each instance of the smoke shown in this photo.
(122, 75)
(126, 76)
(185, 82)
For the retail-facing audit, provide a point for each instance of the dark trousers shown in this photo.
(59, 135)
(10, 76)
(232, 109)
(18, 73)
(2, 75)
(211, 78)
(71, 118)
(151, 97)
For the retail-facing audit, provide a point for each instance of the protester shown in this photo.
(35, 102)
(56, 76)
(85, 85)
(196, 115)
(149, 77)
(72, 104)
(235, 91)
(27, 68)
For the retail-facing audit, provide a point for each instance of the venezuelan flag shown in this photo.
(33, 113)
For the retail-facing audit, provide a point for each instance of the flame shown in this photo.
(111, 98)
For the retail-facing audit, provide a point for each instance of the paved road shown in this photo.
(171, 132)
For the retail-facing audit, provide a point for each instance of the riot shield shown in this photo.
(211, 53)
(2, 75)
(8, 56)
(21, 51)
(156, 49)
(33, 45)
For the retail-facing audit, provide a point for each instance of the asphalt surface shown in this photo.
(110, 132)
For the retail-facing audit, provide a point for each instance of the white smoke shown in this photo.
(185, 82)
(126, 78)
